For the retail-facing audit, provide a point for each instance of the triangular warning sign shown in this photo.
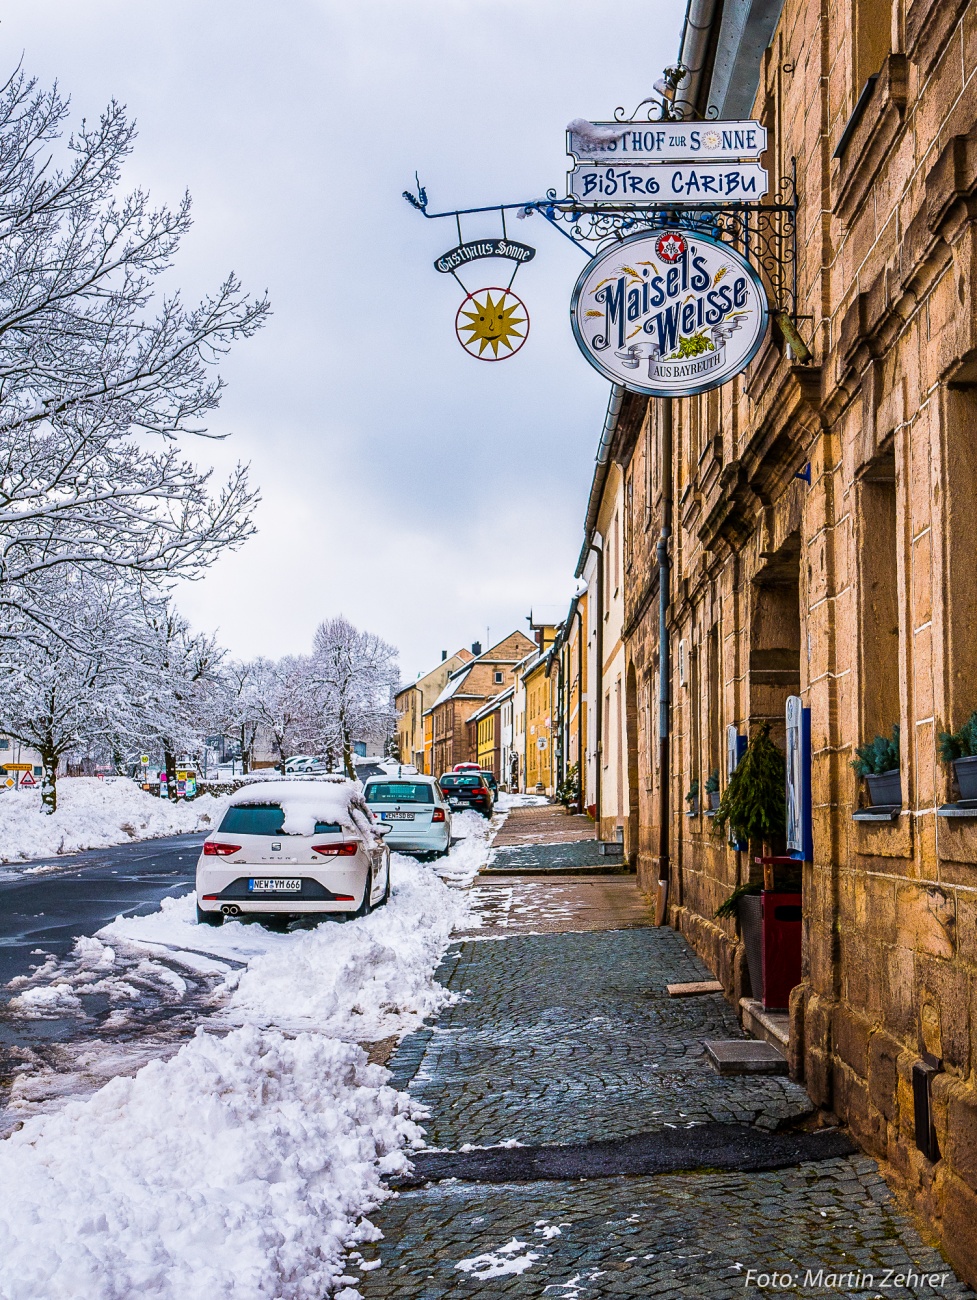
(27, 778)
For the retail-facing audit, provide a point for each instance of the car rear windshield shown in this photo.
(399, 792)
(453, 782)
(265, 819)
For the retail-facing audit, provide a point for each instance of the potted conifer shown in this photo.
(960, 749)
(753, 810)
(712, 789)
(692, 798)
(878, 762)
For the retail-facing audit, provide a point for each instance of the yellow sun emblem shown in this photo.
(484, 323)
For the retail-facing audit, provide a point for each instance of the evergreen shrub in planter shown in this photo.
(712, 790)
(878, 763)
(692, 798)
(960, 749)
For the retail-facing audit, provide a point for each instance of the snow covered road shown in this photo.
(242, 1163)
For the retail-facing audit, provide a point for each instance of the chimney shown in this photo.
(444, 655)
(476, 648)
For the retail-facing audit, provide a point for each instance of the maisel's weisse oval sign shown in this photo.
(669, 313)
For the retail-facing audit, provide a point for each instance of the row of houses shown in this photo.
(815, 517)
(815, 513)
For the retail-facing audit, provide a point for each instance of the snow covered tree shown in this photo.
(172, 680)
(284, 705)
(100, 374)
(57, 696)
(239, 714)
(354, 676)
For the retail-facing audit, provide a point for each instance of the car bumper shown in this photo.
(225, 887)
(408, 839)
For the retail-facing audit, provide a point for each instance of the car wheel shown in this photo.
(366, 906)
(208, 918)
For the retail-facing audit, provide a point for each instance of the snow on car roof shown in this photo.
(307, 800)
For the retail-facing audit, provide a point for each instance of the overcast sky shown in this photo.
(424, 494)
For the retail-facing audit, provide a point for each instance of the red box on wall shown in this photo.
(781, 921)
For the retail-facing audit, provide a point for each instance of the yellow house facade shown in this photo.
(414, 700)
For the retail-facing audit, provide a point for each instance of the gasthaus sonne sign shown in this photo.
(669, 313)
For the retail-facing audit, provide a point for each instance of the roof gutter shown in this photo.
(694, 51)
(614, 404)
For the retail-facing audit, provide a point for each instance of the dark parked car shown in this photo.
(491, 782)
(468, 790)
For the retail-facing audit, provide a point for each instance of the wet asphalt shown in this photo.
(77, 895)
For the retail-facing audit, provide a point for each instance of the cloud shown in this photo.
(421, 492)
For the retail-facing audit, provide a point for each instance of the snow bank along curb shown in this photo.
(94, 814)
(242, 1167)
(237, 1169)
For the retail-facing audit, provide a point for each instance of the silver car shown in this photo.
(414, 809)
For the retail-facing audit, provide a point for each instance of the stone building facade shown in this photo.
(415, 699)
(467, 689)
(823, 545)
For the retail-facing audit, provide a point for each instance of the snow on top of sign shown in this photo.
(594, 134)
(305, 802)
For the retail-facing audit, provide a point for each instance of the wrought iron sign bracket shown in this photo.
(765, 233)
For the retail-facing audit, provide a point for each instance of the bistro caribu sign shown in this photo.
(669, 313)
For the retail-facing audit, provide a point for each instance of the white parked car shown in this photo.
(414, 809)
(294, 846)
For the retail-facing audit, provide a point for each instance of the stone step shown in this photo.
(772, 1026)
(744, 1056)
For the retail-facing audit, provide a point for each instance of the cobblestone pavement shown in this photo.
(530, 905)
(563, 856)
(544, 824)
(570, 1037)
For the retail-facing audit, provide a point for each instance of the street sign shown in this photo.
(19, 767)
(144, 759)
(669, 312)
(668, 141)
(27, 780)
(479, 248)
(656, 182)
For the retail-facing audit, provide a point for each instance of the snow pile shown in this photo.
(470, 854)
(360, 981)
(240, 1168)
(93, 814)
(236, 1169)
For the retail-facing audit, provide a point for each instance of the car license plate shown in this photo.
(270, 886)
(397, 817)
(454, 803)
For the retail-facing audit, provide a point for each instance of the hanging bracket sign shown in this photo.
(635, 142)
(476, 249)
(641, 183)
(669, 313)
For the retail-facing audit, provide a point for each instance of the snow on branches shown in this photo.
(99, 373)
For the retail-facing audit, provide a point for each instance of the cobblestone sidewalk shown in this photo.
(570, 1037)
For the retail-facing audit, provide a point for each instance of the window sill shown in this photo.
(882, 812)
(962, 809)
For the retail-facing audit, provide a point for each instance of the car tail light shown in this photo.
(437, 815)
(209, 898)
(335, 850)
(215, 849)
